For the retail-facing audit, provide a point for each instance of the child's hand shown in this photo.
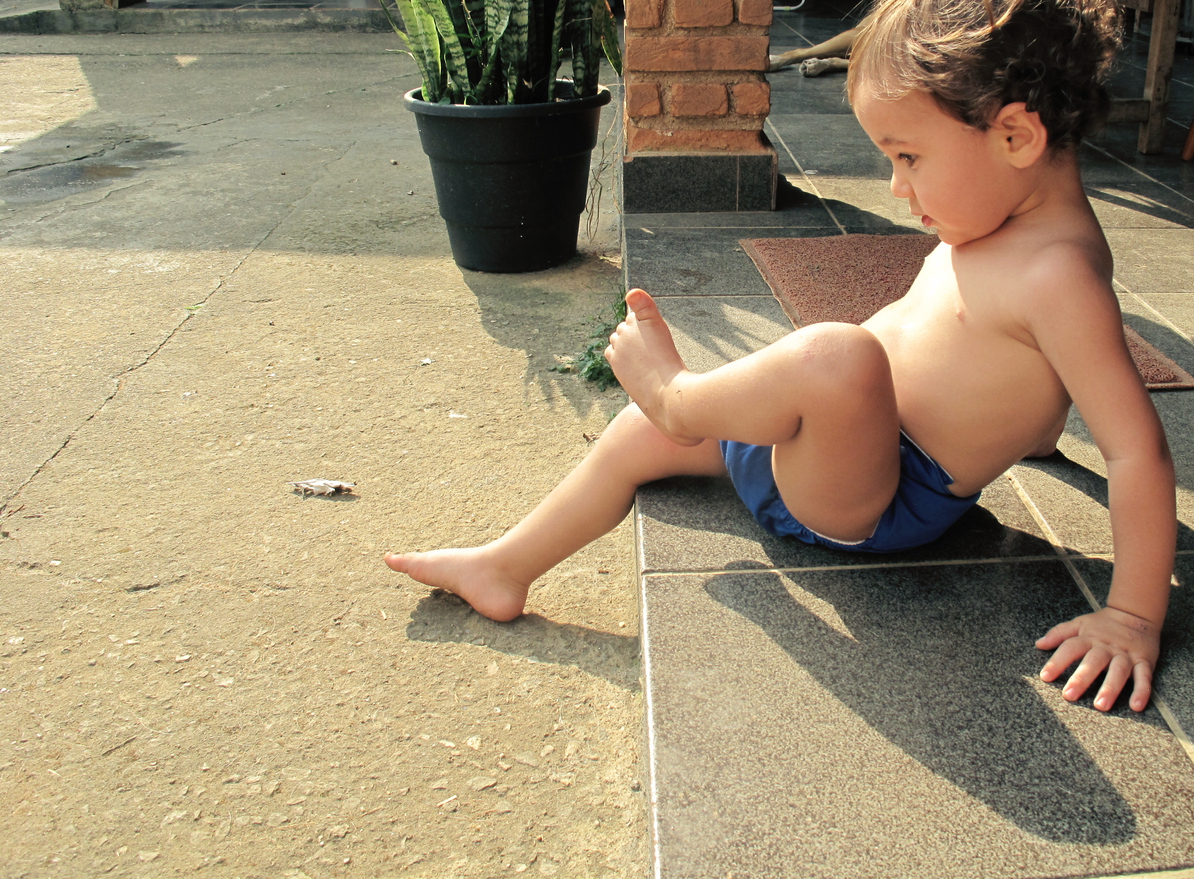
(1123, 645)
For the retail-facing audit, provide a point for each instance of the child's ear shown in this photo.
(1022, 134)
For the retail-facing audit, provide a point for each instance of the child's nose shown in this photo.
(899, 186)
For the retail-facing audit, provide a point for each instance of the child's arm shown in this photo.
(1080, 330)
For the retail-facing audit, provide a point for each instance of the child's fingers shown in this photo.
(1119, 672)
(1142, 689)
(1070, 651)
(1093, 664)
(1057, 635)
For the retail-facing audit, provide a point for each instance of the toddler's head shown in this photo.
(974, 57)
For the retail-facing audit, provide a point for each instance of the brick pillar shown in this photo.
(696, 100)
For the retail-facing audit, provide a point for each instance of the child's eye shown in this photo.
(907, 159)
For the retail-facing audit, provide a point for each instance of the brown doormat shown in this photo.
(850, 277)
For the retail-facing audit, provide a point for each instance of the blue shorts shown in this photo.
(922, 509)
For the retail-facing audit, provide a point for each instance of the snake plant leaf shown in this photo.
(455, 58)
(557, 37)
(513, 45)
(537, 73)
(504, 51)
(488, 35)
(422, 42)
(607, 31)
(584, 60)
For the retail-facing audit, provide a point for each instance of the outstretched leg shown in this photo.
(589, 502)
(822, 397)
(835, 47)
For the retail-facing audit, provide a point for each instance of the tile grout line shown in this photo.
(877, 566)
(1168, 323)
(1054, 541)
(803, 174)
(648, 700)
(1143, 174)
(1174, 725)
(882, 566)
(1162, 706)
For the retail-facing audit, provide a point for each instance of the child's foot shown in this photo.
(643, 356)
(469, 574)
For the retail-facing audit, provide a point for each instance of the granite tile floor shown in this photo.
(817, 714)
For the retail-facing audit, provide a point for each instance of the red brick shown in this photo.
(702, 13)
(696, 53)
(642, 99)
(751, 98)
(698, 99)
(755, 12)
(644, 13)
(648, 140)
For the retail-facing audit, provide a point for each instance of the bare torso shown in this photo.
(973, 389)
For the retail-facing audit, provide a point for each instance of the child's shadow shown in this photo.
(937, 665)
(442, 617)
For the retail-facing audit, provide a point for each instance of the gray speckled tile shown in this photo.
(796, 209)
(1154, 261)
(1177, 414)
(1072, 498)
(701, 525)
(1112, 155)
(790, 30)
(866, 205)
(884, 723)
(1140, 204)
(710, 332)
(1175, 673)
(831, 143)
(1070, 489)
(1176, 310)
(689, 262)
(698, 182)
(805, 95)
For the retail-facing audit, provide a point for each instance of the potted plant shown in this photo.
(509, 141)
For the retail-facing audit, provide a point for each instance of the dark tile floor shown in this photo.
(813, 713)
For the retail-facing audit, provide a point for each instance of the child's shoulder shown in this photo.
(1058, 280)
(1058, 256)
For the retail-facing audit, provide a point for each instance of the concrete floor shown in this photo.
(812, 713)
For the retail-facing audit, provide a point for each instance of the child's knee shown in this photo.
(843, 357)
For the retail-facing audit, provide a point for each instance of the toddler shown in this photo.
(876, 438)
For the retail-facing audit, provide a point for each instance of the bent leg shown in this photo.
(588, 503)
(823, 397)
(841, 469)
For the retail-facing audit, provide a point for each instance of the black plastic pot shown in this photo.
(511, 180)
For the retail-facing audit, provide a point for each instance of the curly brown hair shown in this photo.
(977, 56)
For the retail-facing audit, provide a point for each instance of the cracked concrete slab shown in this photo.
(264, 294)
(189, 178)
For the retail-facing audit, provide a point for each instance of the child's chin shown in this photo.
(947, 236)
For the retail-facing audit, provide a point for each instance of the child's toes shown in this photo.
(641, 303)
